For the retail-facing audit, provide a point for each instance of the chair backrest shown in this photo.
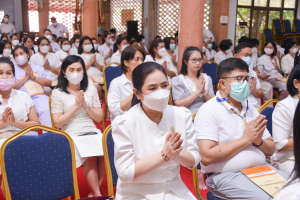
(268, 113)
(210, 68)
(268, 34)
(50, 101)
(109, 74)
(287, 26)
(39, 167)
(108, 149)
(296, 25)
(277, 26)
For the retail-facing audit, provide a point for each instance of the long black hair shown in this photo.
(295, 74)
(63, 82)
(154, 44)
(80, 49)
(2, 45)
(186, 56)
(128, 55)
(118, 42)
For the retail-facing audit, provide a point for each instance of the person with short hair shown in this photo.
(6, 50)
(170, 45)
(232, 135)
(100, 38)
(209, 52)
(15, 40)
(65, 49)
(119, 47)
(6, 27)
(54, 46)
(58, 29)
(106, 49)
(225, 51)
(141, 42)
(287, 61)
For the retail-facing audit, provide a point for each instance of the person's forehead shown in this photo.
(246, 50)
(238, 72)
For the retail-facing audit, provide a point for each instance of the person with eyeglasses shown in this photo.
(232, 135)
(269, 68)
(191, 89)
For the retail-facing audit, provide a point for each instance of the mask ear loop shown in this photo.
(225, 90)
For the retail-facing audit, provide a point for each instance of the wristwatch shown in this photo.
(262, 141)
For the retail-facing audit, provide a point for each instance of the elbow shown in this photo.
(98, 120)
(206, 161)
(57, 125)
(270, 152)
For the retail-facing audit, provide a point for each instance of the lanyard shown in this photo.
(243, 118)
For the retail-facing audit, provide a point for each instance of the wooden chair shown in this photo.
(171, 102)
(50, 101)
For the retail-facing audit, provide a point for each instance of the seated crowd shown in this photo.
(153, 139)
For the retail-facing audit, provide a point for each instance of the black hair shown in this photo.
(15, 34)
(128, 55)
(287, 44)
(6, 15)
(139, 38)
(241, 46)
(167, 41)
(105, 36)
(249, 41)
(99, 35)
(230, 64)
(2, 45)
(53, 35)
(157, 37)
(141, 72)
(25, 40)
(80, 49)
(63, 82)
(21, 47)
(176, 34)
(132, 41)
(118, 42)
(242, 39)
(154, 44)
(40, 40)
(46, 30)
(225, 45)
(64, 40)
(113, 30)
(295, 74)
(3, 36)
(256, 41)
(8, 61)
(186, 56)
(274, 46)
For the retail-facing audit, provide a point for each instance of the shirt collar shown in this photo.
(12, 93)
(229, 107)
(124, 79)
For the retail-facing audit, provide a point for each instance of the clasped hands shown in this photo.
(8, 117)
(172, 146)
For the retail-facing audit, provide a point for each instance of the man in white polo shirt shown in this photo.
(6, 27)
(232, 135)
(58, 29)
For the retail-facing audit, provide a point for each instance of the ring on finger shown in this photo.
(172, 143)
(257, 129)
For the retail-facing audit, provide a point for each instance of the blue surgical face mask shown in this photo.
(247, 60)
(209, 46)
(239, 91)
(172, 47)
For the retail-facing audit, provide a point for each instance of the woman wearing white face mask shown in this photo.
(287, 61)
(5, 51)
(65, 49)
(152, 140)
(95, 43)
(75, 107)
(106, 49)
(47, 60)
(14, 38)
(269, 68)
(158, 54)
(31, 79)
(75, 44)
(119, 47)
(225, 51)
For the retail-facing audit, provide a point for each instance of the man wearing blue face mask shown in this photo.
(209, 52)
(244, 51)
(232, 135)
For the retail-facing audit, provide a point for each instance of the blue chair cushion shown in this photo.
(277, 26)
(297, 25)
(211, 70)
(268, 113)
(111, 73)
(287, 26)
(210, 196)
(268, 34)
(39, 167)
(110, 148)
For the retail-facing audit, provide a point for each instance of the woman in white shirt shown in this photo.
(158, 54)
(291, 189)
(28, 43)
(170, 46)
(75, 107)
(75, 44)
(120, 91)
(225, 51)
(269, 68)
(287, 61)
(5, 51)
(140, 39)
(152, 140)
(282, 125)
(47, 60)
(106, 49)
(119, 47)
(95, 43)
(209, 52)
(94, 62)
(65, 49)
(14, 38)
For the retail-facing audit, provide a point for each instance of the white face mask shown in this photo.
(15, 42)
(87, 48)
(66, 47)
(21, 60)
(162, 51)
(74, 78)
(143, 41)
(77, 44)
(49, 37)
(294, 50)
(157, 100)
(54, 24)
(44, 49)
(124, 47)
(96, 46)
(6, 52)
(6, 20)
(110, 42)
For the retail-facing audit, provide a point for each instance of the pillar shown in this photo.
(43, 16)
(90, 18)
(190, 26)
(220, 7)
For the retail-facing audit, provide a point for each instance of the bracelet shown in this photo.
(165, 157)
(262, 141)
(205, 93)
(88, 108)
(34, 78)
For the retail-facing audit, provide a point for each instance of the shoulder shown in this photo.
(180, 111)
(286, 104)
(23, 95)
(116, 82)
(149, 58)
(56, 93)
(131, 116)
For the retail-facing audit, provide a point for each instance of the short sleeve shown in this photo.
(178, 89)
(57, 105)
(96, 101)
(149, 59)
(260, 64)
(28, 101)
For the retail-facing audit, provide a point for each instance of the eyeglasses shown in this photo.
(195, 60)
(241, 79)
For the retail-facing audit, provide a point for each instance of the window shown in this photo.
(254, 15)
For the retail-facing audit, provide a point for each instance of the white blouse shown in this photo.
(210, 54)
(119, 89)
(20, 103)
(73, 51)
(282, 126)
(38, 59)
(290, 192)
(104, 50)
(220, 56)
(287, 63)
(93, 71)
(61, 54)
(137, 137)
(116, 57)
(265, 65)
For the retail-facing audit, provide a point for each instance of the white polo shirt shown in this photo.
(9, 29)
(55, 46)
(216, 121)
(104, 50)
(59, 30)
